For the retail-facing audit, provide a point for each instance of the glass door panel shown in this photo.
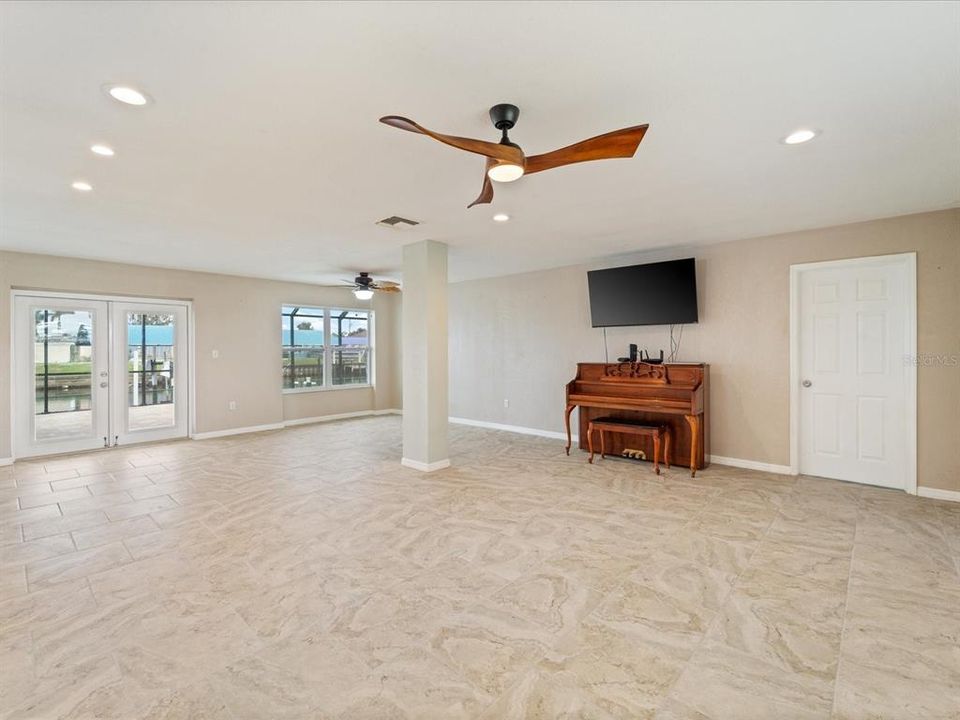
(63, 369)
(150, 370)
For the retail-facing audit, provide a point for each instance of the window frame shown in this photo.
(328, 312)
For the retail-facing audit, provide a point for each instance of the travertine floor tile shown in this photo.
(72, 566)
(305, 574)
(865, 691)
(721, 682)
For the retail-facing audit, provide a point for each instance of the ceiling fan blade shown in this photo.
(486, 191)
(617, 144)
(481, 147)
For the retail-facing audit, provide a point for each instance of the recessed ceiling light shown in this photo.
(127, 95)
(82, 186)
(501, 217)
(800, 136)
(104, 150)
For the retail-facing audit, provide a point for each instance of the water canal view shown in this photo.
(63, 362)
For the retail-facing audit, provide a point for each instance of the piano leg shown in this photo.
(694, 422)
(656, 453)
(566, 417)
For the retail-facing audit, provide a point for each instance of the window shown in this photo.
(325, 347)
(350, 347)
(303, 359)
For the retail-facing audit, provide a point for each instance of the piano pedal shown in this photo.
(633, 454)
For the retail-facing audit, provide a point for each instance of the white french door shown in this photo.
(855, 335)
(62, 371)
(149, 361)
(92, 373)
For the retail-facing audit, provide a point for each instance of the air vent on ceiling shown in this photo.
(397, 223)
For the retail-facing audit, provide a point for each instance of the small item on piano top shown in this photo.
(632, 358)
(645, 357)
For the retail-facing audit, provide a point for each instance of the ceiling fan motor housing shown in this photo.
(504, 116)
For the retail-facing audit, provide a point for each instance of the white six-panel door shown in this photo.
(854, 347)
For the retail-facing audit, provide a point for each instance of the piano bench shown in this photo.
(659, 433)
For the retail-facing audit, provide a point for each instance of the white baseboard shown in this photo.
(339, 416)
(236, 431)
(751, 465)
(289, 423)
(938, 494)
(425, 467)
(512, 428)
(6, 461)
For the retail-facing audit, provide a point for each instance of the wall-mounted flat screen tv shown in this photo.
(663, 293)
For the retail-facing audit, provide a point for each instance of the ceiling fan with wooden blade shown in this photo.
(506, 162)
(364, 285)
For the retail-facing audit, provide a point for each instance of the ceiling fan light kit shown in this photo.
(505, 172)
(364, 286)
(506, 162)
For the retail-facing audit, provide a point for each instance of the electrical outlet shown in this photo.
(506, 402)
(232, 405)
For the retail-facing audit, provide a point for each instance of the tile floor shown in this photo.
(304, 574)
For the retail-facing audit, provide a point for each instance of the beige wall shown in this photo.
(235, 315)
(520, 337)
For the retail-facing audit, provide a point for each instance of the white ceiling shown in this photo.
(262, 154)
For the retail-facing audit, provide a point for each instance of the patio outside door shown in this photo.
(93, 373)
(62, 375)
(149, 401)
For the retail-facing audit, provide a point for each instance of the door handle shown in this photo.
(806, 383)
(103, 384)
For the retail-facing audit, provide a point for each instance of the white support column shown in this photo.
(425, 371)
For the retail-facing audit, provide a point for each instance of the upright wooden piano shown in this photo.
(672, 394)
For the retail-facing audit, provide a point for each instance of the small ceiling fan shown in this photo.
(506, 161)
(364, 285)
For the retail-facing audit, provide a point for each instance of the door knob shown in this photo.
(807, 383)
(103, 384)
